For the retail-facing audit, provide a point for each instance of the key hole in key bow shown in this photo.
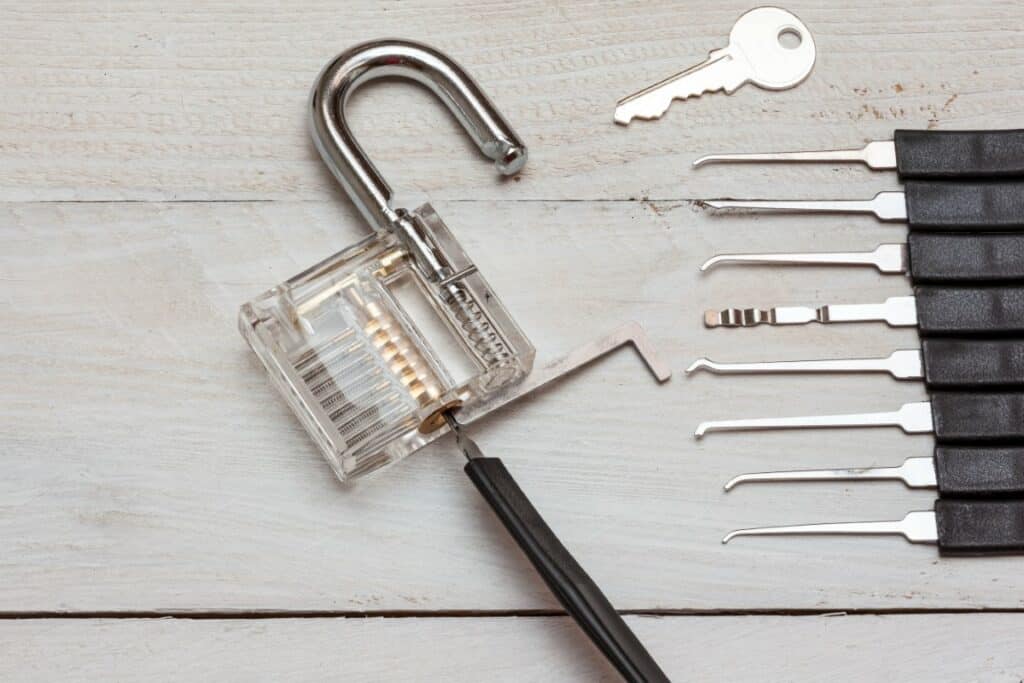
(790, 38)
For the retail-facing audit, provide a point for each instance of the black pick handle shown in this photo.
(969, 310)
(979, 472)
(944, 154)
(937, 257)
(973, 364)
(575, 590)
(967, 417)
(958, 206)
(975, 527)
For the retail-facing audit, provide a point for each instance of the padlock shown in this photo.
(351, 362)
(364, 379)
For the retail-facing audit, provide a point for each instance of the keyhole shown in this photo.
(790, 38)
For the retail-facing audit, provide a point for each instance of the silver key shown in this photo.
(756, 54)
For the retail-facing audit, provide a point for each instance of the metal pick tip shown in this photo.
(740, 532)
(734, 481)
(456, 429)
(711, 262)
(731, 535)
(716, 203)
(712, 318)
(701, 429)
(703, 160)
(697, 365)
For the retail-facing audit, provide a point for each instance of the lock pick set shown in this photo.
(371, 388)
(963, 203)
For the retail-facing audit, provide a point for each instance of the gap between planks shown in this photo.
(481, 614)
(320, 200)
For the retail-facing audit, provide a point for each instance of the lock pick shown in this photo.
(957, 526)
(949, 205)
(919, 154)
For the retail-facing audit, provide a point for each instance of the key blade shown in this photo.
(916, 527)
(886, 206)
(912, 418)
(878, 155)
(905, 364)
(887, 258)
(722, 70)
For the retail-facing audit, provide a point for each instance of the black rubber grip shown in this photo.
(960, 206)
(576, 591)
(943, 154)
(979, 472)
(970, 310)
(974, 527)
(980, 418)
(973, 364)
(965, 257)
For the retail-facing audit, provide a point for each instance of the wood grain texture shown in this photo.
(206, 100)
(155, 173)
(150, 466)
(910, 649)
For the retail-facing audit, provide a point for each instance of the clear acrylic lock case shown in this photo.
(361, 377)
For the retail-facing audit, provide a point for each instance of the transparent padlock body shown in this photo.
(353, 366)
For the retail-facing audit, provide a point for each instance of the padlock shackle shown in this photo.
(417, 62)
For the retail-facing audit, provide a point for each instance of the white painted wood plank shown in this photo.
(910, 649)
(198, 100)
(149, 465)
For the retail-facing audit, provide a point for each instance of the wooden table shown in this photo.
(162, 514)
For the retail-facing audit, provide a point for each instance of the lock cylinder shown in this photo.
(352, 365)
(361, 376)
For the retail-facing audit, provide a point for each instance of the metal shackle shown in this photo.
(402, 59)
